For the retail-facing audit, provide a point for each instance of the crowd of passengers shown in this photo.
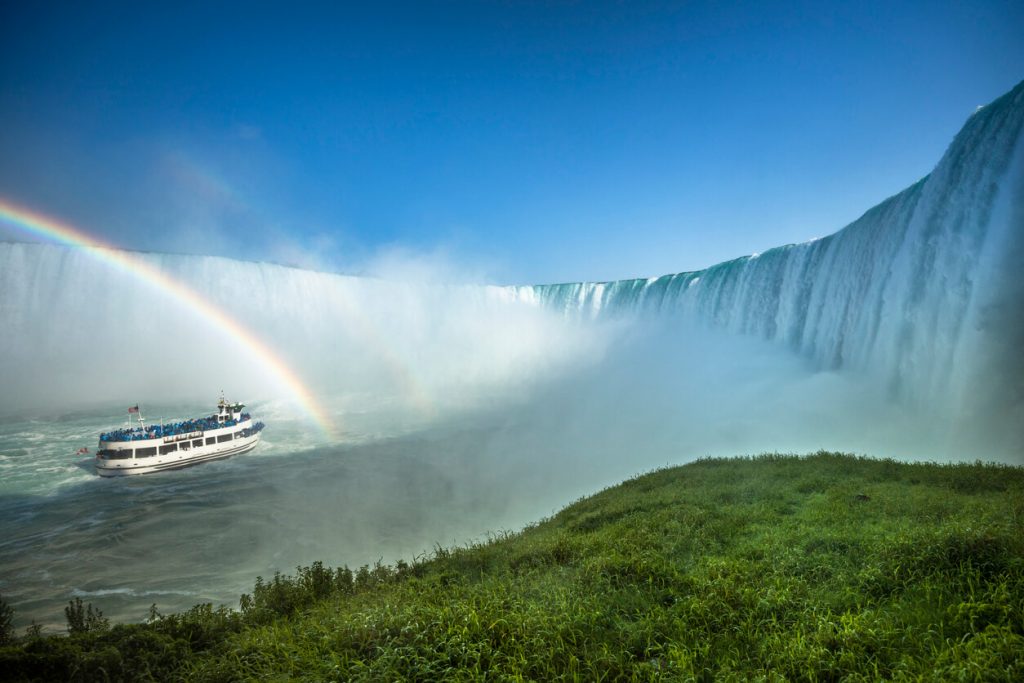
(158, 431)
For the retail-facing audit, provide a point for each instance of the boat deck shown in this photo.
(201, 424)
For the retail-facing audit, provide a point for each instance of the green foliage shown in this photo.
(824, 567)
(83, 618)
(151, 651)
(6, 623)
(284, 595)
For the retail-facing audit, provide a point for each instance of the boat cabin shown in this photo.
(229, 411)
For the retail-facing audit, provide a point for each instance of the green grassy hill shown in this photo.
(774, 568)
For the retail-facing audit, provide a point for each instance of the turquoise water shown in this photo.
(396, 485)
(203, 534)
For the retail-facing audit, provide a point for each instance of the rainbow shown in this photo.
(36, 224)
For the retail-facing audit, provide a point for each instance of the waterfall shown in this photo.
(77, 330)
(920, 290)
(920, 293)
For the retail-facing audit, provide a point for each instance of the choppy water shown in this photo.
(204, 533)
(400, 483)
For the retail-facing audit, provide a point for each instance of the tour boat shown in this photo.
(144, 449)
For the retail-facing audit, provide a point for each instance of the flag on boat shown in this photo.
(133, 409)
(81, 451)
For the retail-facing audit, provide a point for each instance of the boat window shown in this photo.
(223, 437)
(210, 440)
(238, 435)
(120, 454)
(184, 446)
(145, 452)
(169, 448)
(197, 443)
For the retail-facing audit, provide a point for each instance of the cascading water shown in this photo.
(918, 293)
(464, 409)
(907, 292)
(79, 332)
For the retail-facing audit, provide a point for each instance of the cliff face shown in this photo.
(920, 293)
(920, 290)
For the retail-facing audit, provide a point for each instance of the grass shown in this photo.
(826, 567)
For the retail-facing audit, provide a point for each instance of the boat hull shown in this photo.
(174, 461)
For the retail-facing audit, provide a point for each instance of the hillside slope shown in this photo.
(776, 567)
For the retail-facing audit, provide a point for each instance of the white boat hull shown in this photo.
(120, 467)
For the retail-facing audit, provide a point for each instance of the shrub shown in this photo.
(6, 623)
(84, 618)
(284, 595)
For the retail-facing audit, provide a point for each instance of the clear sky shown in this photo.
(523, 141)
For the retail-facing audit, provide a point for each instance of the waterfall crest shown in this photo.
(920, 293)
(918, 290)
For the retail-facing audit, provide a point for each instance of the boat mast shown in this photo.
(135, 409)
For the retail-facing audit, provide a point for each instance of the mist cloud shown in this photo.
(655, 386)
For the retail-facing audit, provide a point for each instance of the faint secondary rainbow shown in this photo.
(37, 224)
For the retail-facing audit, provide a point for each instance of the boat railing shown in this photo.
(182, 429)
(182, 437)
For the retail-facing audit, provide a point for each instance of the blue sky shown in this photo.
(523, 142)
